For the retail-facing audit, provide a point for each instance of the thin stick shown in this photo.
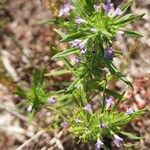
(21, 147)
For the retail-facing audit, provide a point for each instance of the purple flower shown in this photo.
(129, 111)
(109, 102)
(99, 145)
(102, 125)
(118, 140)
(29, 109)
(78, 120)
(77, 60)
(80, 44)
(79, 20)
(64, 124)
(108, 6)
(51, 100)
(109, 9)
(117, 12)
(65, 10)
(75, 43)
(97, 7)
(108, 53)
(88, 107)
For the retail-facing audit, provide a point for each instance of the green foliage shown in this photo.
(87, 127)
(94, 32)
(36, 96)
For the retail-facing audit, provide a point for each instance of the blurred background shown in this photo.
(25, 44)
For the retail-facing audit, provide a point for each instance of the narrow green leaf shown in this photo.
(110, 92)
(21, 92)
(127, 5)
(72, 37)
(132, 33)
(131, 136)
(115, 72)
(127, 19)
(61, 34)
(73, 85)
(58, 72)
(66, 53)
(118, 101)
(90, 6)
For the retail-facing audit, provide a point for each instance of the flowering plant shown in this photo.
(92, 28)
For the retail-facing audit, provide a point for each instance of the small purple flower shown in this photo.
(117, 12)
(51, 100)
(109, 102)
(97, 7)
(99, 145)
(29, 109)
(108, 53)
(88, 107)
(65, 10)
(80, 44)
(78, 120)
(102, 125)
(77, 60)
(75, 43)
(109, 9)
(129, 111)
(79, 20)
(108, 6)
(118, 140)
(64, 124)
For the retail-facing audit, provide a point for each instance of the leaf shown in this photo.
(58, 72)
(131, 136)
(138, 113)
(21, 92)
(110, 92)
(61, 34)
(66, 53)
(73, 85)
(73, 36)
(118, 101)
(127, 5)
(90, 6)
(38, 77)
(115, 72)
(132, 33)
(127, 19)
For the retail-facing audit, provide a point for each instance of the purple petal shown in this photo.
(109, 102)
(99, 145)
(79, 21)
(108, 53)
(88, 108)
(129, 111)
(65, 10)
(108, 6)
(64, 124)
(102, 125)
(118, 141)
(51, 100)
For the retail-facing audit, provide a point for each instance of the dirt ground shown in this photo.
(25, 44)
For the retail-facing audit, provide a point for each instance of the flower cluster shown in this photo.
(65, 10)
(80, 44)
